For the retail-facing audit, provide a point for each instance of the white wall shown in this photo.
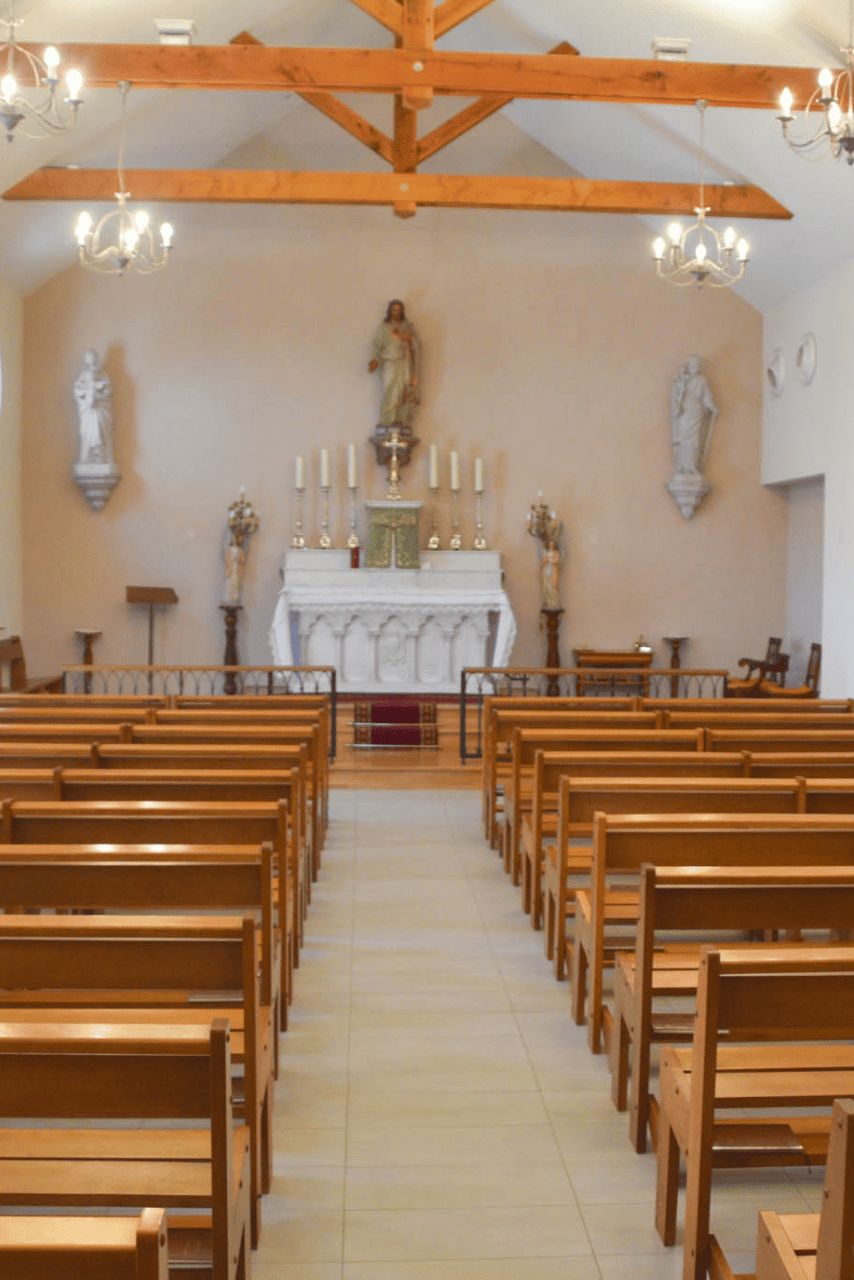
(10, 465)
(809, 432)
(549, 349)
(804, 573)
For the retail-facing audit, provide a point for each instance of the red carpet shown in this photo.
(395, 722)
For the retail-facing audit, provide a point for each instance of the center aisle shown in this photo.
(438, 1116)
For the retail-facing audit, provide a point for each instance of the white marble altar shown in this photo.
(393, 630)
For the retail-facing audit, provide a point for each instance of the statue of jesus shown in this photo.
(397, 352)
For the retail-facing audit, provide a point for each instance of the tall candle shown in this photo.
(352, 482)
(434, 466)
(455, 471)
(299, 476)
(478, 475)
(324, 469)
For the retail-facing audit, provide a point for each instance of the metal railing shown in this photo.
(477, 683)
(209, 682)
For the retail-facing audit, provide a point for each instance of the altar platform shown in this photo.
(394, 630)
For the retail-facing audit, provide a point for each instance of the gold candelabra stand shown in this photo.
(324, 542)
(433, 543)
(298, 541)
(353, 539)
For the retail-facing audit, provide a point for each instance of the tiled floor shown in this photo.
(438, 1115)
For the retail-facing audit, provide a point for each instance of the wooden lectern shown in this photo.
(150, 596)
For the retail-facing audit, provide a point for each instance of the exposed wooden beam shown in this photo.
(472, 115)
(452, 12)
(386, 12)
(246, 186)
(338, 111)
(405, 138)
(418, 36)
(259, 67)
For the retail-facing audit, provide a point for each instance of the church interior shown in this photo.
(390, 812)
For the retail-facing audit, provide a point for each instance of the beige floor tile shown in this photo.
(437, 1053)
(629, 1231)
(297, 1149)
(443, 1234)
(296, 1270)
(476, 1269)
(291, 1234)
(454, 1110)
(316, 1188)
(500, 1143)
(454, 1079)
(375, 1006)
(457, 1186)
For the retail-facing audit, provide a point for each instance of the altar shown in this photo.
(393, 629)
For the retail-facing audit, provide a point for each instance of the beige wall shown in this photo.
(805, 559)
(10, 463)
(549, 350)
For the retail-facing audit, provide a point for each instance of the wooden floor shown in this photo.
(390, 767)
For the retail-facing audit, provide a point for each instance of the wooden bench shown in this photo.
(557, 902)
(544, 732)
(702, 902)
(754, 720)
(135, 969)
(792, 1009)
(493, 747)
(810, 706)
(623, 843)
(114, 1074)
(764, 740)
(809, 1246)
(76, 730)
(697, 791)
(77, 1248)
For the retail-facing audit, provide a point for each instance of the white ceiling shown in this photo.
(201, 130)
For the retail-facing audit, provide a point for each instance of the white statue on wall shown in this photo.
(693, 414)
(95, 470)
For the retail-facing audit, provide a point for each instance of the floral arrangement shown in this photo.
(243, 519)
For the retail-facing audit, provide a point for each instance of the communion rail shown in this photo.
(206, 682)
(477, 683)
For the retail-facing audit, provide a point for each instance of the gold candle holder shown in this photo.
(298, 541)
(353, 540)
(324, 542)
(479, 543)
(433, 543)
(456, 542)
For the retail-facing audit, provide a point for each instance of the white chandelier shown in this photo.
(698, 254)
(122, 239)
(834, 96)
(29, 105)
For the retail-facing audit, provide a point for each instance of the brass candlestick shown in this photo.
(479, 543)
(353, 540)
(298, 541)
(456, 542)
(324, 542)
(433, 543)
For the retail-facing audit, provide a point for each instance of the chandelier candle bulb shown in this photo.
(299, 473)
(434, 466)
(455, 471)
(352, 481)
(786, 103)
(167, 231)
(74, 83)
(478, 475)
(324, 469)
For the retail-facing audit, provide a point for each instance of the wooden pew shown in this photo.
(764, 740)
(579, 799)
(80, 731)
(810, 706)
(55, 711)
(166, 971)
(89, 701)
(623, 843)
(809, 1246)
(703, 902)
(12, 655)
(816, 764)
(90, 1248)
(791, 1008)
(557, 903)
(169, 879)
(542, 731)
(755, 720)
(493, 747)
(114, 1074)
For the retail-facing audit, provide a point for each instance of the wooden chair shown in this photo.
(809, 689)
(758, 669)
(78, 1248)
(809, 1246)
(112, 1075)
(772, 1034)
(12, 652)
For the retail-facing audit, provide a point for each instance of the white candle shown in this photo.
(434, 466)
(324, 469)
(352, 482)
(478, 475)
(455, 471)
(299, 476)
